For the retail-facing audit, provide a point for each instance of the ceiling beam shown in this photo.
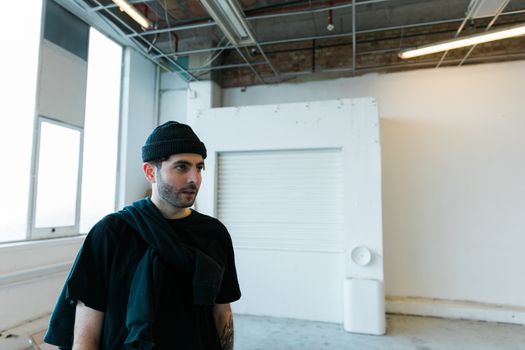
(496, 16)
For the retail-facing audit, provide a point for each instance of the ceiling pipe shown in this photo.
(176, 37)
(227, 66)
(330, 25)
(354, 38)
(155, 37)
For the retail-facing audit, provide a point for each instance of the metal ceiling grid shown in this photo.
(185, 29)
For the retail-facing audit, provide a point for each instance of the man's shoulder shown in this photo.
(206, 219)
(110, 222)
(110, 227)
(209, 223)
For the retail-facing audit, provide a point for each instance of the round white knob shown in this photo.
(362, 256)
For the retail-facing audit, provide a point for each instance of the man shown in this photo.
(156, 274)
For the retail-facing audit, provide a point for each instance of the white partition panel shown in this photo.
(298, 186)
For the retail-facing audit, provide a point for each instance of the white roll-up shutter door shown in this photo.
(283, 199)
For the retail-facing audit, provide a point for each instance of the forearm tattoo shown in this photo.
(226, 336)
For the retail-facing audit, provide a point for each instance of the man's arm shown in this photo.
(88, 326)
(223, 316)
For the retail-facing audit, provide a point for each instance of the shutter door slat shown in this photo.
(286, 199)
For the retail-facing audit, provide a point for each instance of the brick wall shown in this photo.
(374, 52)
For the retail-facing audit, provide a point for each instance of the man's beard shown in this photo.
(175, 196)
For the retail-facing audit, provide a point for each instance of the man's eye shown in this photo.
(180, 167)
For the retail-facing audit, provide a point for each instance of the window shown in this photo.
(18, 84)
(101, 130)
(59, 175)
(57, 179)
(77, 167)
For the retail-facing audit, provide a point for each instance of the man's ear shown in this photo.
(149, 171)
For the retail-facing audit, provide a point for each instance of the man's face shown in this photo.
(179, 178)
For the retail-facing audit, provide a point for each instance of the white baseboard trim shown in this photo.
(456, 309)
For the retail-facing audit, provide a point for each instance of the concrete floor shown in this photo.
(403, 333)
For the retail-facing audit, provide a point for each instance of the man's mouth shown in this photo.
(189, 192)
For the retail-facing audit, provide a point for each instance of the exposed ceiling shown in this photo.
(293, 40)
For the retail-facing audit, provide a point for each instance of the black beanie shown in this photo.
(171, 138)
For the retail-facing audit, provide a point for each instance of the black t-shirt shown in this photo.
(106, 265)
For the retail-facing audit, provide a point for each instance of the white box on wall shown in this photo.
(364, 306)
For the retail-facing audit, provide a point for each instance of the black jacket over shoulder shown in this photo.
(156, 280)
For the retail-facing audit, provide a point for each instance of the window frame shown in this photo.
(33, 232)
(28, 231)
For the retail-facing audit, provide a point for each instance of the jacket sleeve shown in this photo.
(88, 279)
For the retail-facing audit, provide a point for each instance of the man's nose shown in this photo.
(194, 176)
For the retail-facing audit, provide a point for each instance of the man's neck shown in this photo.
(169, 211)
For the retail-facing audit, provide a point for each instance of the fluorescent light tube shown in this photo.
(230, 18)
(134, 13)
(464, 41)
(233, 18)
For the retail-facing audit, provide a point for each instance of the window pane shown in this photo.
(18, 76)
(100, 130)
(57, 176)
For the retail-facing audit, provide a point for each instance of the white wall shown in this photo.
(453, 147)
(138, 118)
(31, 276)
(178, 97)
(173, 98)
